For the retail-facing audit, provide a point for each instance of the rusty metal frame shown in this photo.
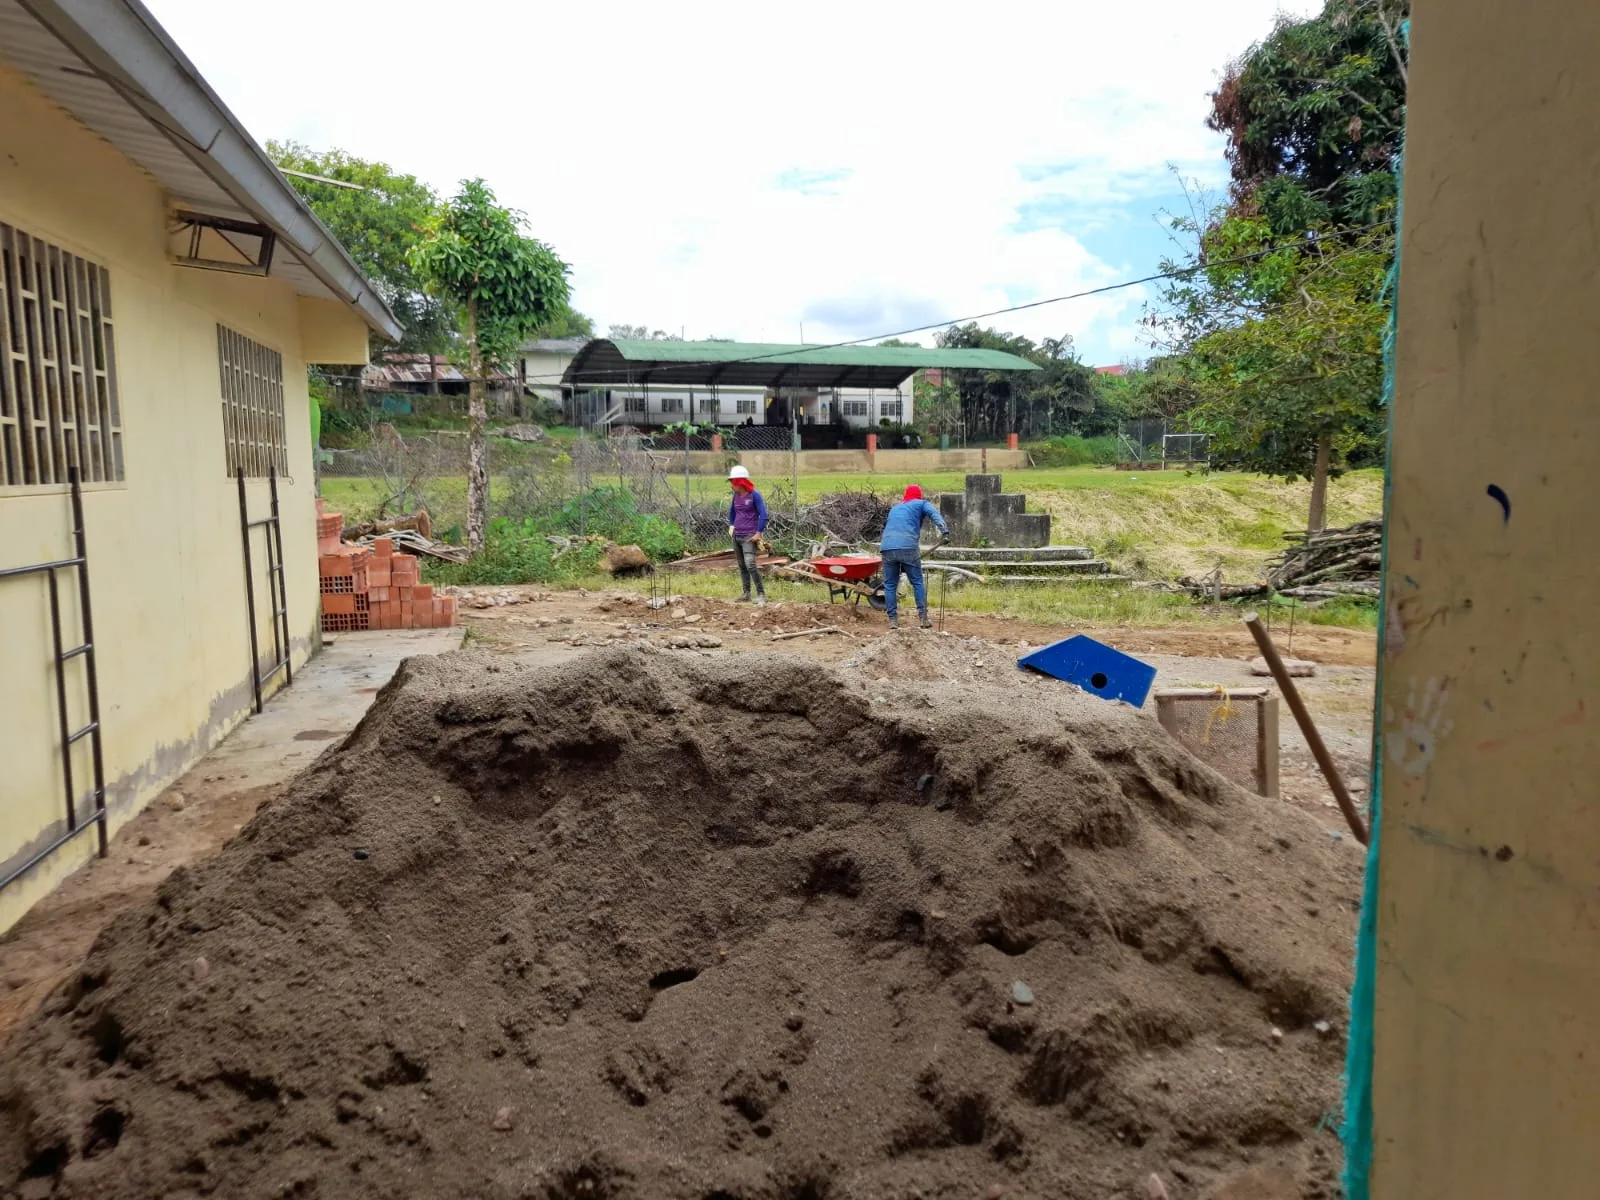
(70, 737)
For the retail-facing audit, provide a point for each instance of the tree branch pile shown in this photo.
(1335, 562)
(848, 516)
(1315, 567)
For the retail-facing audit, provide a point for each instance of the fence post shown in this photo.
(688, 504)
(794, 478)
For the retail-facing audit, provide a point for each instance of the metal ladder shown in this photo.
(69, 736)
(277, 591)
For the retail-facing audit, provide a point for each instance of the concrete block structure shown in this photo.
(983, 514)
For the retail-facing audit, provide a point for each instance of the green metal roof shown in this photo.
(770, 364)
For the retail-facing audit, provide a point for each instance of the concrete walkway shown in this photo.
(206, 807)
(327, 701)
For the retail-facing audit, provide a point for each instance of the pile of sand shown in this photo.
(915, 655)
(657, 925)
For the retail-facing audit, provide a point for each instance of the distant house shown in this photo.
(544, 371)
(1119, 369)
(543, 362)
(424, 374)
(163, 289)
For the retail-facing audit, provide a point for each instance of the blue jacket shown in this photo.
(747, 513)
(903, 528)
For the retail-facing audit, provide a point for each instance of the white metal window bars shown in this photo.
(59, 410)
(252, 405)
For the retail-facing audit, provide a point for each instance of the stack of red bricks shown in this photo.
(372, 587)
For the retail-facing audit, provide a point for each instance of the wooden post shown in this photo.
(1486, 943)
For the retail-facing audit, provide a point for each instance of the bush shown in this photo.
(1073, 451)
(518, 552)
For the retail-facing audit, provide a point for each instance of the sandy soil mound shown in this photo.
(659, 925)
(941, 658)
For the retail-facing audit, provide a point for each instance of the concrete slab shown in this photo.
(327, 701)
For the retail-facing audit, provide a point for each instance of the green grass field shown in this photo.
(1157, 525)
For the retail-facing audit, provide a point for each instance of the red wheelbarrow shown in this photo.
(849, 575)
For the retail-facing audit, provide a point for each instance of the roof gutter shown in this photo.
(129, 49)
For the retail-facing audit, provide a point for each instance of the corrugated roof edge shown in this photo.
(784, 352)
(128, 46)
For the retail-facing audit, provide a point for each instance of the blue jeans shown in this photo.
(908, 562)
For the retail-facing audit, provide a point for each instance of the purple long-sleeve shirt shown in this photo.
(747, 514)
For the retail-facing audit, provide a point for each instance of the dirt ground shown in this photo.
(535, 625)
(700, 925)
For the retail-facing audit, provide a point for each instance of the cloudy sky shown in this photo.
(744, 169)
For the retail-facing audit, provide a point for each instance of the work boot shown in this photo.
(744, 599)
(922, 619)
(761, 600)
(894, 623)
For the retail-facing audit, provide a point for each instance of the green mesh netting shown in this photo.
(1357, 1131)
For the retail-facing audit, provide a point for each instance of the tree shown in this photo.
(378, 214)
(937, 405)
(475, 257)
(1281, 353)
(1314, 116)
(1059, 398)
(568, 323)
(1281, 343)
(641, 333)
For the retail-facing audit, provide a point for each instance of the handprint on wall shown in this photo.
(1414, 737)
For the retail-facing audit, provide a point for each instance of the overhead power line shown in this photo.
(1180, 273)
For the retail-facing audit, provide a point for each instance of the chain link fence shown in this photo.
(593, 485)
(1154, 442)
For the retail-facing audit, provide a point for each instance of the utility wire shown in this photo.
(1180, 273)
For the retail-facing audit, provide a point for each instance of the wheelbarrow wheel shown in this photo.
(876, 599)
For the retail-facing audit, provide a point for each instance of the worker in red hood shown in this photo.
(902, 553)
(747, 520)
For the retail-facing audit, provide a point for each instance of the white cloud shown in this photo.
(736, 169)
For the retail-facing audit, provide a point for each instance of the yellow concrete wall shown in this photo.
(330, 332)
(1487, 1022)
(164, 548)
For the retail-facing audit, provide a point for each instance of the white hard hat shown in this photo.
(739, 473)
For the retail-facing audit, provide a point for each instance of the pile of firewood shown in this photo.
(1315, 567)
(1335, 562)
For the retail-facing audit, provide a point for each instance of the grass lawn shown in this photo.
(1157, 525)
(1069, 604)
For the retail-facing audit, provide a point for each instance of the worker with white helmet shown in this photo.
(747, 520)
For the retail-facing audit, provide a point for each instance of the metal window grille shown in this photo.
(744, 407)
(671, 404)
(252, 405)
(1235, 732)
(891, 409)
(59, 410)
(855, 408)
(633, 402)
